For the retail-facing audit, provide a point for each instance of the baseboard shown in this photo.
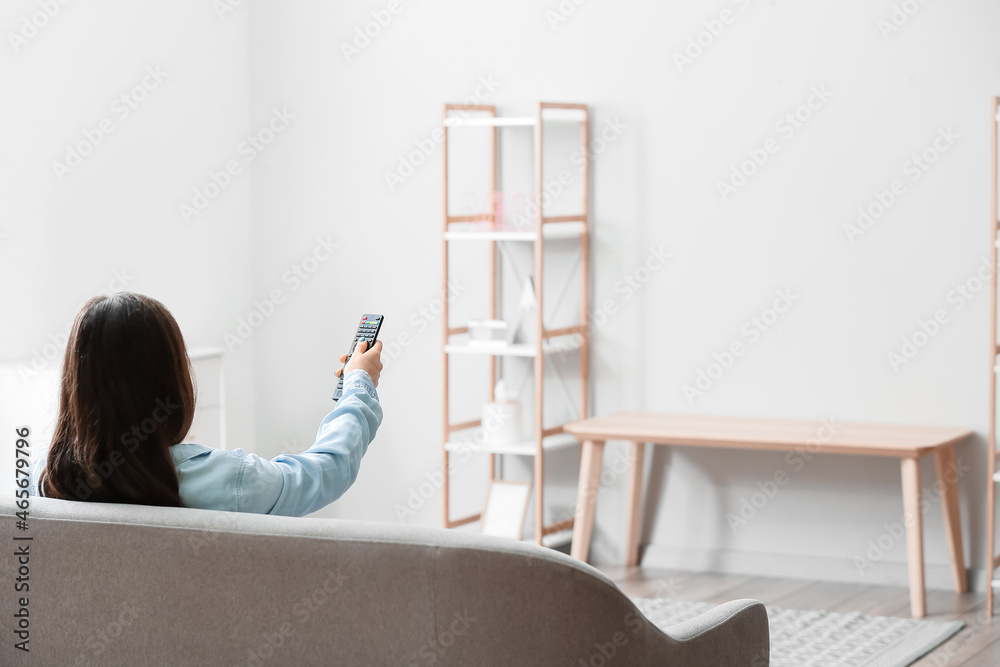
(882, 573)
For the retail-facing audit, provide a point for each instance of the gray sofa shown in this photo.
(130, 585)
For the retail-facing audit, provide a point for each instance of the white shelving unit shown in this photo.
(483, 228)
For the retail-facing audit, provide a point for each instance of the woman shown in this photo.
(127, 401)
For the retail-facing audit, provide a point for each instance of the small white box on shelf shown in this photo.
(501, 423)
(501, 418)
(488, 332)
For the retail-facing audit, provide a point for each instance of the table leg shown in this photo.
(586, 497)
(636, 453)
(914, 535)
(947, 477)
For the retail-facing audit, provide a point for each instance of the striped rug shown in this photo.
(823, 638)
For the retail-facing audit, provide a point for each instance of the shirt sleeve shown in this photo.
(298, 484)
(37, 466)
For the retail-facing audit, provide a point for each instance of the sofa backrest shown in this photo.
(123, 584)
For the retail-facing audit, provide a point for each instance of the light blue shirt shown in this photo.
(288, 484)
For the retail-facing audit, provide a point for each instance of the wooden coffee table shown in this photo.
(908, 443)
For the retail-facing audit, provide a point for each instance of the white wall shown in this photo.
(323, 176)
(113, 222)
(656, 185)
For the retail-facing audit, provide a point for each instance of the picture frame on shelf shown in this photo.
(506, 509)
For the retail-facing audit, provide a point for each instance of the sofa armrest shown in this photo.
(732, 634)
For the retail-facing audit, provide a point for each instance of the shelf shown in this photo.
(460, 231)
(548, 116)
(498, 349)
(508, 350)
(489, 121)
(523, 448)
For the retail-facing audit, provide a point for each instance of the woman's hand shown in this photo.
(365, 360)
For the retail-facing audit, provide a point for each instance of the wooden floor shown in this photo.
(977, 645)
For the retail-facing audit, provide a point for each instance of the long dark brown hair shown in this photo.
(126, 398)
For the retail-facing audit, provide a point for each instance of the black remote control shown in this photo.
(368, 331)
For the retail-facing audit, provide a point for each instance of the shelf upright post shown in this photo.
(446, 420)
(585, 267)
(539, 330)
(446, 329)
(991, 562)
(493, 273)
